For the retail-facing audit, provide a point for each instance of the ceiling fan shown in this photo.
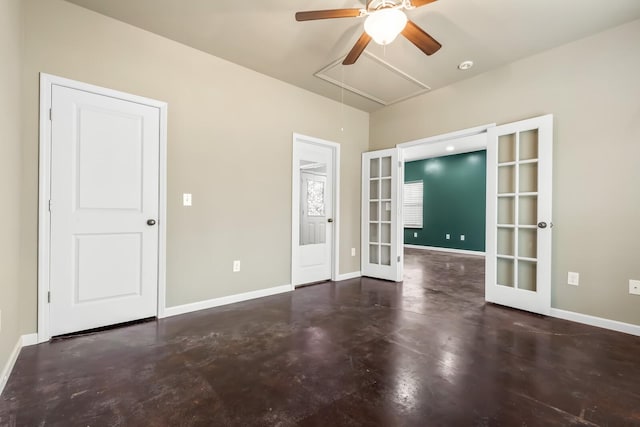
(385, 19)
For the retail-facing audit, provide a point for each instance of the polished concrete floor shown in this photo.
(427, 352)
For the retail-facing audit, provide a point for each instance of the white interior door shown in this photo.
(104, 208)
(519, 184)
(381, 221)
(313, 218)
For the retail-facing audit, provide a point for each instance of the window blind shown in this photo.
(412, 204)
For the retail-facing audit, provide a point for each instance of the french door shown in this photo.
(381, 249)
(519, 185)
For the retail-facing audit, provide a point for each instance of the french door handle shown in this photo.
(330, 220)
(151, 222)
(542, 224)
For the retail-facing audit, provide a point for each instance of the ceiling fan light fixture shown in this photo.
(384, 25)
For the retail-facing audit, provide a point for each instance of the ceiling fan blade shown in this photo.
(357, 49)
(421, 39)
(418, 3)
(312, 15)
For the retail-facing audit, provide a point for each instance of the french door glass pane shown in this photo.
(507, 148)
(386, 167)
(506, 210)
(527, 210)
(385, 255)
(528, 181)
(527, 275)
(374, 208)
(506, 238)
(506, 179)
(528, 242)
(505, 272)
(373, 233)
(528, 145)
(374, 168)
(373, 254)
(374, 189)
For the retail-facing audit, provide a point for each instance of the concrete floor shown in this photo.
(427, 352)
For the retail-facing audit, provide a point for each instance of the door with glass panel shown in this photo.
(381, 224)
(313, 215)
(518, 247)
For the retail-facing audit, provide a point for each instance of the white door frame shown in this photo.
(44, 189)
(295, 203)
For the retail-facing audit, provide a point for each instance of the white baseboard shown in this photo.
(217, 302)
(600, 322)
(8, 367)
(29, 339)
(348, 276)
(455, 251)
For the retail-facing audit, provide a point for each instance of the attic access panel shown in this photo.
(374, 79)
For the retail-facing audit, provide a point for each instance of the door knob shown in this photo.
(330, 220)
(151, 222)
(542, 224)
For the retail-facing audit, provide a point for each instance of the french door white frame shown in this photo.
(295, 203)
(44, 188)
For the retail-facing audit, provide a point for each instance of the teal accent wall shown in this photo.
(454, 201)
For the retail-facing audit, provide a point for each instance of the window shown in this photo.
(412, 204)
(315, 198)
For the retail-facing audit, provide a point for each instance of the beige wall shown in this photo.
(230, 145)
(593, 89)
(10, 66)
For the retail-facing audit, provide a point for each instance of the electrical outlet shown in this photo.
(573, 278)
(634, 287)
(186, 199)
(415, 234)
(236, 266)
(447, 236)
(462, 237)
(353, 251)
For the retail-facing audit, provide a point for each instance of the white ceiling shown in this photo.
(264, 36)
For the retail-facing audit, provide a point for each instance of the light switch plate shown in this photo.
(573, 278)
(353, 251)
(634, 287)
(462, 237)
(415, 234)
(186, 199)
(236, 266)
(447, 236)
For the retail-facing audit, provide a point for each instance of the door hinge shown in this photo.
(398, 258)
(399, 164)
(50, 205)
(50, 114)
(49, 296)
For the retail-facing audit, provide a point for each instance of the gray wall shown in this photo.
(592, 88)
(10, 59)
(230, 145)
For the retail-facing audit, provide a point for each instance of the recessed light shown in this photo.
(450, 148)
(465, 65)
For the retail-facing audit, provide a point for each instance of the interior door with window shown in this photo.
(381, 223)
(313, 213)
(519, 185)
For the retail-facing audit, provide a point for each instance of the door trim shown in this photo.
(295, 202)
(44, 187)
